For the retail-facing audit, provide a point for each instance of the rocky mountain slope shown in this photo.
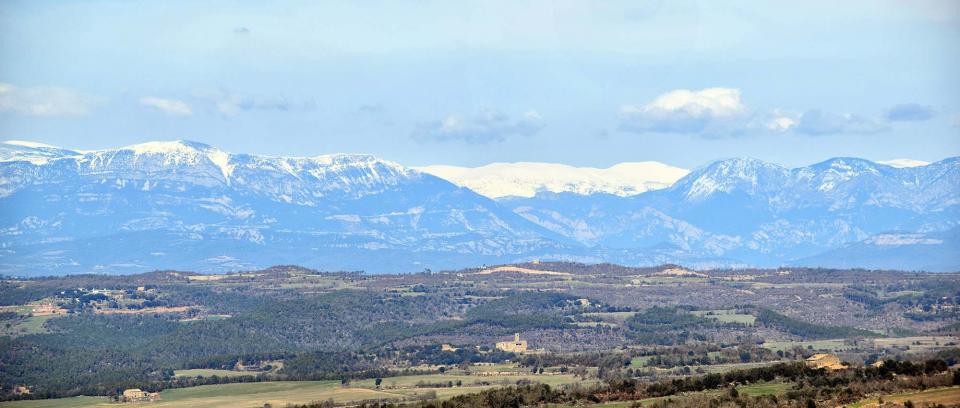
(188, 205)
(761, 213)
(192, 206)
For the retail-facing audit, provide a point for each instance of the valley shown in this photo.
(292, 335)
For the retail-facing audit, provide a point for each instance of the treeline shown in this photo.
(322, 336)
(668, 326)
(434, 355)
(97, 354)
(524, 310)
(808, 330)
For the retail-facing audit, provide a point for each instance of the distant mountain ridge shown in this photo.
(191, 206)
(764, 214)
(526, 179)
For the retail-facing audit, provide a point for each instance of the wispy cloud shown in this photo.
(816, 123)
(168, 106)
(45, 101)
(487, 127)
(910, 112)
(231, 104)
(241, 30)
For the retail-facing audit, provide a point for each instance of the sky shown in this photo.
(468, 83)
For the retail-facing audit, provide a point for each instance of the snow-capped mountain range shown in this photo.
(187, 205)
(498, 180)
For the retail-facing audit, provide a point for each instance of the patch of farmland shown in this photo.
(727, 316)
(949, 396)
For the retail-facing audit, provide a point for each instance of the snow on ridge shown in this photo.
(35, 153)
(902, 239)
(726, 175)
(166, 147)
(902, 163)
(526, 179)
(32, 145)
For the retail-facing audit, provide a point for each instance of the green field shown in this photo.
(722, 368)
(747, 390)
(610, 315)
(502, 367)
(468, 381)
(639, 361)
(918, 343)
(727, 316)
(595, 324)
(278, 393)
(281, 393)
(29, 325)
(946, 396)
(820, 345)
(75, 402)
(756, 390)
(806, 285)
(209, 372)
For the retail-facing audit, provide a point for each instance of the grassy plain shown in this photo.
(949, 396)
(281, 393)
(209, 372)
(727, 316)
(25, 326)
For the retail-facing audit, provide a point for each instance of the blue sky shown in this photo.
(468, 83)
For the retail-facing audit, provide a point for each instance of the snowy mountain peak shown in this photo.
(169, 147)
(182, 163)
(843, 167)
(526, 179)
(33, 152)
(727, 175)
(178, 153)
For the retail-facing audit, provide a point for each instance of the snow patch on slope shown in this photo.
(903, 163)
(32, 145)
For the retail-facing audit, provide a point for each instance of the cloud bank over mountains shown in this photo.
(485, 127)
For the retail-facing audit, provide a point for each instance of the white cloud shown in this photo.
(45, 101)
(780, 121)
(718, 112)
(168, 106)
(685, 111)
(489, 126)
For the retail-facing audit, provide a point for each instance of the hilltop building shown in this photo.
(138, 395)
(827, 361)
(447, 347)
(515, 346)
